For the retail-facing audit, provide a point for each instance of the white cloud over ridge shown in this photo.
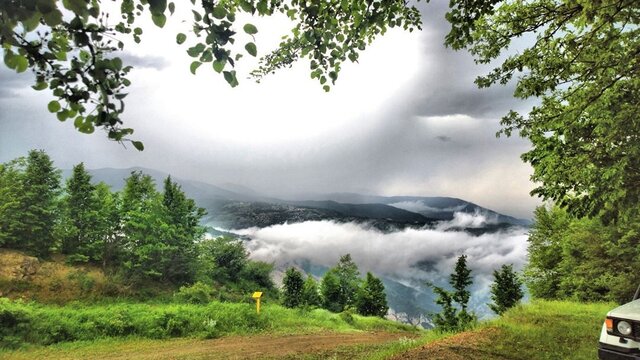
(395, 254)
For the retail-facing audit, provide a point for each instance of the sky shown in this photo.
(406, 120)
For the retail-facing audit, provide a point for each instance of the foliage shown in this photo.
(506, 290)
(332, 296)
(372, 300)
(80, 211)
(31, 323)
(339, 286)
(583, 66)
(582, 259)
(310, 293)
(33, 203)
(454, 315)
(292, 288)
(198, 293)
(222, 258)
(70, 45)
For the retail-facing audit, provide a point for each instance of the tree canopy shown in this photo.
(582, 62)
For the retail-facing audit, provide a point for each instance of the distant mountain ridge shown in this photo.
(233, 206)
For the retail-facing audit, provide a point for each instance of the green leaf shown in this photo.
(138, 145)
(157, 7)
(159, 20)
(230, 76)
(196, 16)
(181, 38)
(219, 12)
(172, 8)
(21, 63)
(194, 66)
(251, 48)
(40, 86)
(250, 29)
(218, 66)
(326, 88)
(53, 18)
(54, 106)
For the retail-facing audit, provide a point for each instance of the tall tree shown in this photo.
(11, 182)
(454, 315)
(292, 286)
(108, 225)
(584, 68)
(333, 298)
(80, 216)
(183, 217)
(310, 293)
(372, 300)
(506, 290)
(222, 259)
(38, 201)
(349, 279)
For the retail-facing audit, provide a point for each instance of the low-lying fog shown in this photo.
(408, 256)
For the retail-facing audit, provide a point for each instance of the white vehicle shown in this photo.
(620, 336)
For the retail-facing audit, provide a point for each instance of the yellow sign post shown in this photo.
(256, 296)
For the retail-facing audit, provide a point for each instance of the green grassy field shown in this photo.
(540, 330)
(37, 324)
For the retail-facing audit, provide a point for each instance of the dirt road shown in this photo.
(251, 347)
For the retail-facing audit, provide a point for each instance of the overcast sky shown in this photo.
(406, 120)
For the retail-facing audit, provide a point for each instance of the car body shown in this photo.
(620, 335)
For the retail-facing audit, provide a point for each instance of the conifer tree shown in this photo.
(80, 217)
(40, 189)
(506, 290)
(332, 296)
(292, 286)
(310, 294)
(372, 300)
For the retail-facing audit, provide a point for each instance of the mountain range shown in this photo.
(231, 206)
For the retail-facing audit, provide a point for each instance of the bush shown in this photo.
(198, 293)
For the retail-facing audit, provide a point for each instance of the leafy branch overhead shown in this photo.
(71, 45)
(581, 60)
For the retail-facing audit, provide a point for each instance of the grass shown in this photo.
(549, 330)
(38, 324)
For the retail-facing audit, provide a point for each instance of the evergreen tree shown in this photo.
(455, 317)
(372, 300)
(332, 296)
(506, 290)
(310, 295)
(460, 281)
(108, 225)
(11, 182)
(183, 218)
(349, 279)
(40, 188)
(292, 286)
(80, 217)
(447, 319)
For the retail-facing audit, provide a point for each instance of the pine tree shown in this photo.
(506, 290)
(183, 217)
(80, 217)
(372, 300)
(454, 318)
(292, 286)
(349, 279)
(310, 295)
(11, 183)
(40, 188)
(332, 296)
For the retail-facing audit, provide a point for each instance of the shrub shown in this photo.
(198, 293)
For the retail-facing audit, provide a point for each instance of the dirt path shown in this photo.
(252, 347)
(463, 346)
